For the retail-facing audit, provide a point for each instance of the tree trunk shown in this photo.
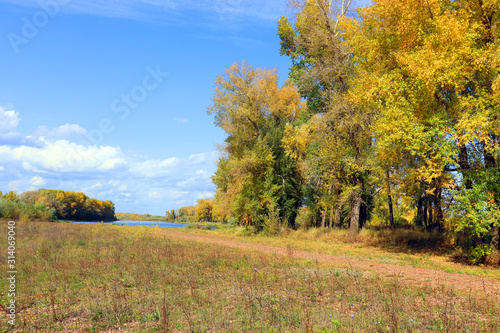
(389, 201)
(489, 159)
(431, 214)
(323, 219)
(439, 210)
(356, 209)
(337, 217)
(363, 217)
(356, 213)
(463, 161)
(495, 240)
(338, 209)
(424, 215)
(420, 211)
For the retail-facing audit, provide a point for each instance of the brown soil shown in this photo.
(422, 277)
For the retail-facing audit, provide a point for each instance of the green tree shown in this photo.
(170, 215)
(12, 196)
(434, 84)
(337, 153)
(204, 210)
(255, 176)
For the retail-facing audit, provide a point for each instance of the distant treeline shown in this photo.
(204, 211)
(184, 214)
(139, 217)
(44, 204)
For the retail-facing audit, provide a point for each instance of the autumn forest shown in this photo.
(390, 117)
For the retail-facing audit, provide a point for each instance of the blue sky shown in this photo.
(109, 97)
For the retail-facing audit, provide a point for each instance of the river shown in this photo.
(140, 223)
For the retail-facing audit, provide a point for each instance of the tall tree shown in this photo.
(204, 210)
(339, 146)
(431, 70)
(255, 177)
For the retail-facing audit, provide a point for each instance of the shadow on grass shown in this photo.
(410, 240)
(407, 240)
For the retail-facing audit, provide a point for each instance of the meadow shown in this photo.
(92, 278)
(402, 246)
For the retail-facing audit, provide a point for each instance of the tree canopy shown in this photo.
(391, 115)
(255, 177)
(71, 205)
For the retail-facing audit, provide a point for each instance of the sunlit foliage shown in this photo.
(256, 179)
(71, 205)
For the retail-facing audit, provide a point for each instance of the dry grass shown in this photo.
(402, 247)
(107, 278)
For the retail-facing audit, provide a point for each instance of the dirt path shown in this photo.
(405, 274)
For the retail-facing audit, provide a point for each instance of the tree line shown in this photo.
(204, 211)
(139, 217)
(390, 115)
(56, 204)
(184, 214)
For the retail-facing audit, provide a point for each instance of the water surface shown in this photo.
(140, 223)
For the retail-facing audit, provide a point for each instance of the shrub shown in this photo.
(474, 215)
(25, 212)
(305, 219)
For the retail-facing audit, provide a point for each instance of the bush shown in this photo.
(7, 209)
(25, 212)
(248, 230)
(474, 215)
(305, 219)
(478, 254)
(274, 225)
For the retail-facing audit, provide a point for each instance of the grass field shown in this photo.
(402, 247)
(90, 278)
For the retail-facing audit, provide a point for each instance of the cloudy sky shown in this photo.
(109, 97)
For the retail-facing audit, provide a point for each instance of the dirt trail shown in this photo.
(404, 274)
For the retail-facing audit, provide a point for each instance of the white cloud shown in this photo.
(9, 120)
(203, 158)
(181, 120)
(134, 183)
(14, 185)
(64, 156)
(37, 181)
(67, 131)
(205, 195)
(154, 168)
(154, 195)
